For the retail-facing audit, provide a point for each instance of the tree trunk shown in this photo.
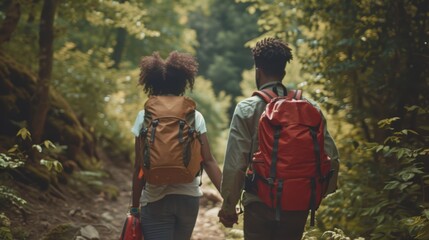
(121, 35)
(46, 39)
(32, 10)
(13, 14)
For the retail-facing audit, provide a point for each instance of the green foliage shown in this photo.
(130, 15)
(103, 97)
(401, 208)
(149, 26)
(83, 77)
(15, 157)
(215, 115)
(384, 191)
(222, 32)
(52, 165)
(5, 232)
(9, 196)
(336, 234)
(354, 50)
(8, 162)
(18, 155)
(24, 134)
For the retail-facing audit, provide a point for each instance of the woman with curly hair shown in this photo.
(169, 204)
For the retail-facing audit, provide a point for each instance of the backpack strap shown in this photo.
(295, 94)
(265, 94)
(143, 145)
(268, 94)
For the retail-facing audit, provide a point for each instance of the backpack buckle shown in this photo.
(143, 131)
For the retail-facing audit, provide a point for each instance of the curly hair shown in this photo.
(170, 76)
(271, 55)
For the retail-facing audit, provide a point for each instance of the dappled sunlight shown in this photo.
(70, 94)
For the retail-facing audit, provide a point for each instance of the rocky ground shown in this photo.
(97, 216)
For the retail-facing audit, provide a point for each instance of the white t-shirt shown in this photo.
(153, 193)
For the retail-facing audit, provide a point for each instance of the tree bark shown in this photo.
(46, 39)
(9, 24)
(121, 35)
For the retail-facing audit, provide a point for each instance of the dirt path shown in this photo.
(112, 213)
(74, 210)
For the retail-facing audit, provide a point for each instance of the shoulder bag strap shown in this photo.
(295, 94)
(265, 94)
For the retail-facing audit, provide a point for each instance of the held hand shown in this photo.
(228, 219)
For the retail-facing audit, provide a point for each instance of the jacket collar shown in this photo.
(269, 85)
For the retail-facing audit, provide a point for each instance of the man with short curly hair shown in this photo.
(270, 57)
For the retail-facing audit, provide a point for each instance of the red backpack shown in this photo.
(290, 170)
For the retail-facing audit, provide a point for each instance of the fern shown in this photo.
(401, 210)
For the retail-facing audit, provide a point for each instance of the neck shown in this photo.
(266, 79)
(269, 84)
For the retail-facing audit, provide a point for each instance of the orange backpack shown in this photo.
(170, 143)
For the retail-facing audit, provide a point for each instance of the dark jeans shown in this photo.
(260, 223)
(172, 217)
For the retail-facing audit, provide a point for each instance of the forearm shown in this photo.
(237, 156)
(231, 188)
(214, 173)
(137, 189)
(138, 183)
(209, 162)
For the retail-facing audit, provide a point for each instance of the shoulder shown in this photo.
(198, 115)
(247, 107)
(140, 116)
(138, 123)
(141, 113)
(200, 123)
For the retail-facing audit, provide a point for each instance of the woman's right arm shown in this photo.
(209, 162)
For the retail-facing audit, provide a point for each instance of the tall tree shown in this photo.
(121, 36)
(46, 51)
(222, 32)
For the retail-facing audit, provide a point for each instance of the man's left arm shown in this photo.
(238, 145)
(332, 151)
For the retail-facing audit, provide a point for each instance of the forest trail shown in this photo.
(207, 225)
(104, 215)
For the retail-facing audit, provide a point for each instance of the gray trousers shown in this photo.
(172, 217)
(260, 223)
